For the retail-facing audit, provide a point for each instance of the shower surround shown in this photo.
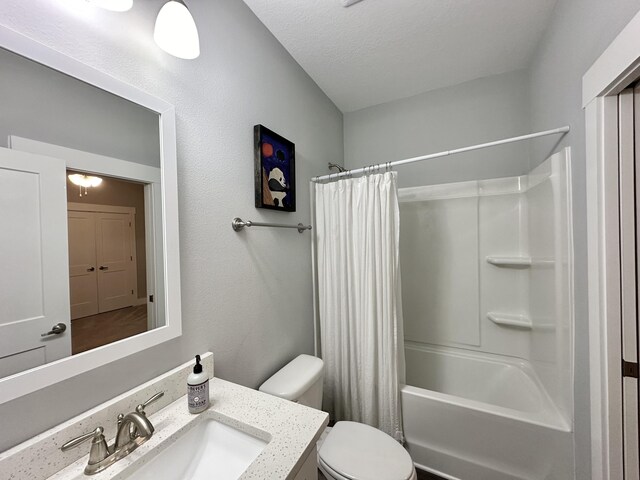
(488, 321)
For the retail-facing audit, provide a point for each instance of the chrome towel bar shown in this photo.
(238, 224)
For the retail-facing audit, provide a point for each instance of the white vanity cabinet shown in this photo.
(286, 431)
(309, 470)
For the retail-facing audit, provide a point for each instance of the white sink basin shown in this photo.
(209, 450)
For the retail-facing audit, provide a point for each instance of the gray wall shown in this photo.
(40, 103)
(247, 297)
(473, 112)
(579, 32)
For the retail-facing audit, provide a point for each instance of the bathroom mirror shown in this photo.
(88, 197)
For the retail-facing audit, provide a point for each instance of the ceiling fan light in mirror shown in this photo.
(85, 180)
(113, 5)
(175, 31)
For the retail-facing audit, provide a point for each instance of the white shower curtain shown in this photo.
(359, 301)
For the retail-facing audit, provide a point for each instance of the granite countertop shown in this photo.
(291, 431)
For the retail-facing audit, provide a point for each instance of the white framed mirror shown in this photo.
(91, 265)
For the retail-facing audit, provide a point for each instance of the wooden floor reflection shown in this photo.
(104, 328)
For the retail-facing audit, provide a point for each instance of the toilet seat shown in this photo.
(354, 451)
(328, 472)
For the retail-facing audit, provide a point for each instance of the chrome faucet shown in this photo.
(130, 427)
(134, 429)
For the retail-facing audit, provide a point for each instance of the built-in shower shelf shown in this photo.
(510, 262)
(510, 320)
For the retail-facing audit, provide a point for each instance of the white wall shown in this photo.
(579, 32)
(467, 114)
(246, 297)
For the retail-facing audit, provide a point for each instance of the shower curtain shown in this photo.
(359, 300)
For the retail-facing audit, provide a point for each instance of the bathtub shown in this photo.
(474, 416)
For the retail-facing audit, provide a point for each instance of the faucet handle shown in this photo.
(140, 408)
(99, 450)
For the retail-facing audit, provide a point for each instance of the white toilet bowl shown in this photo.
(351, 450)
(354, 450)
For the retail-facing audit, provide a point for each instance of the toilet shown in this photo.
(350, 450)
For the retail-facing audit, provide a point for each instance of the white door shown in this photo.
(34, 285)
(83, 276)
(115, 253)
(629, 248)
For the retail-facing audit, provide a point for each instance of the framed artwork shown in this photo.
(274, 170)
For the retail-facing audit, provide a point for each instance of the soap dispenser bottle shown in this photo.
(198, 388)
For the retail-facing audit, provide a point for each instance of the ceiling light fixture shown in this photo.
(176, 31)
(113, 5)
(84, 181)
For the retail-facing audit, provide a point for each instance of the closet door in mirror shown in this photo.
(83, 276)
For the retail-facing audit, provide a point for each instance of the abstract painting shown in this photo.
(274, 172)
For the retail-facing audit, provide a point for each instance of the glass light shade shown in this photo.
(176, 32)
(85, 180)
(113, 5)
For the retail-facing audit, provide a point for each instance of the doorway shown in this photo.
(107, 262)
(611, 128)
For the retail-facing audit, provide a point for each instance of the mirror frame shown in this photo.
(23, 383)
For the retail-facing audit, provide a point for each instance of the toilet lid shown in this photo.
(360, 452)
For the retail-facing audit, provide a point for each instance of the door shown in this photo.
(83, 281)
(115, 245)
(34, 285)
(629, 181)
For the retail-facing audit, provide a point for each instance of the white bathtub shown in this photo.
(472, 416)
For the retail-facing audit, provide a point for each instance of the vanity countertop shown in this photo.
(290, 429)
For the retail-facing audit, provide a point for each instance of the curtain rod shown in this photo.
(387, 165)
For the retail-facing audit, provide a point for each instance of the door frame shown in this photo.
(613, 71)
(88, 162)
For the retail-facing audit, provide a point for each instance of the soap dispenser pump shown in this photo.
(198, 388)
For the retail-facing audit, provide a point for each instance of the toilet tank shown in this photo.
(300, 381)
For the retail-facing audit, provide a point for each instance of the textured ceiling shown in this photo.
(381, 50)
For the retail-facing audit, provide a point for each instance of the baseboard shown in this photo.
(142, 301)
